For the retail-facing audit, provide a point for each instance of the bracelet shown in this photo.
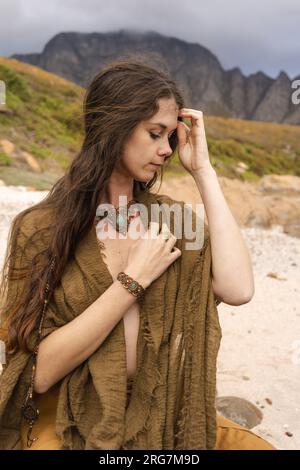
(131, 285)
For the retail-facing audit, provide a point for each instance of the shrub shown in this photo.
(5, 160)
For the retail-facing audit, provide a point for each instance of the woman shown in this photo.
(121, 353)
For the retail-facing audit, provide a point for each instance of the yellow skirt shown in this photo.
(230, 435)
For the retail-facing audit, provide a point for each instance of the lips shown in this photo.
(154, 164)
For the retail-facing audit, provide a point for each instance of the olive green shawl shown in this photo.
(173, 395)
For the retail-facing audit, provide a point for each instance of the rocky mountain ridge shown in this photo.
(205, 83)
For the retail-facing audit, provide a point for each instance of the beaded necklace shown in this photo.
(118, 216)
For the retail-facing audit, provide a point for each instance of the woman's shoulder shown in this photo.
(29, 228)
(165, 198)
(192, 217)
(34, 218)
(196, 211)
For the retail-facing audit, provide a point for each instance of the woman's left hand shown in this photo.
(192, 145)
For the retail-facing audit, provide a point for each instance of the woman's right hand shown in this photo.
(151, 255)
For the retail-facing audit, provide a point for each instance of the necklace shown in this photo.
(120, 217)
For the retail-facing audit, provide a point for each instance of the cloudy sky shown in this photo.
(251, 34)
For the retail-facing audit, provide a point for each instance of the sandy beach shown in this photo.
(259, 358)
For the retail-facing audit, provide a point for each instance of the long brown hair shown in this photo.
(123, 94)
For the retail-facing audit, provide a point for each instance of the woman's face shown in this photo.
(149, 143)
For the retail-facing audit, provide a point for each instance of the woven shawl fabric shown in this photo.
(173, 395)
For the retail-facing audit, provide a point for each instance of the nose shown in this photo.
(165, 150)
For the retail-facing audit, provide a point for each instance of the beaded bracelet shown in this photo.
(131, 285)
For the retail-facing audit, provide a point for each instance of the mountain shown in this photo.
(206, 85)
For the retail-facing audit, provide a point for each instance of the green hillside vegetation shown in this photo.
(43, 116)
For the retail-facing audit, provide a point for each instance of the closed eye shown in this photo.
(154, 136)
(157, 136)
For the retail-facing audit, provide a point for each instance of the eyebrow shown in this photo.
(163, 126)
